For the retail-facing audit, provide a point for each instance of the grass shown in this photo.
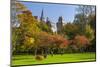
(30, 60)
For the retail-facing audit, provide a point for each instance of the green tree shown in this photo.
(89, 32)
(44, 27)
(70, 30)
(92, 21)
(82, 16)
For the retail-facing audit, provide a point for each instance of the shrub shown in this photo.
(39, 57)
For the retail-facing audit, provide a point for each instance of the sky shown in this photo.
(52, 11)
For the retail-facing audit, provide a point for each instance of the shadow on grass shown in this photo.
(21, 58)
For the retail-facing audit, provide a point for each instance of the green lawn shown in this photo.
(29, 59)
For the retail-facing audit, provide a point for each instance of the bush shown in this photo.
(39, 57)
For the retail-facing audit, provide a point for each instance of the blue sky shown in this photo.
(53, 11)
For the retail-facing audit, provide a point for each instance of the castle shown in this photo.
(59, 24)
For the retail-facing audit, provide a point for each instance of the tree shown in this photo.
(16, 31)
(81, 42)
(86, 10)
(82, 16)
(47, 41)
(59, 43)
(29, 41)
(25, 32)
(89, 33)
(19, 7)
(44, 27)
(29, 30)
(70, 30)
(92, 21)
(15, 38)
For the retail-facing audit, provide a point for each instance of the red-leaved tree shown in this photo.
(81, 41)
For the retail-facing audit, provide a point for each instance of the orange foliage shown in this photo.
(45, 39)
(81, 41)
(59, 40)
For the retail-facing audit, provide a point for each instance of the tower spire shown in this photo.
(42, 16)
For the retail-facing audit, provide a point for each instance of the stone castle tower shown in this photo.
(59, 25)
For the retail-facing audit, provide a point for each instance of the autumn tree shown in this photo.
(81, 42)
(48, 42)
(25, 31)
(59, 43)
(29, 31)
